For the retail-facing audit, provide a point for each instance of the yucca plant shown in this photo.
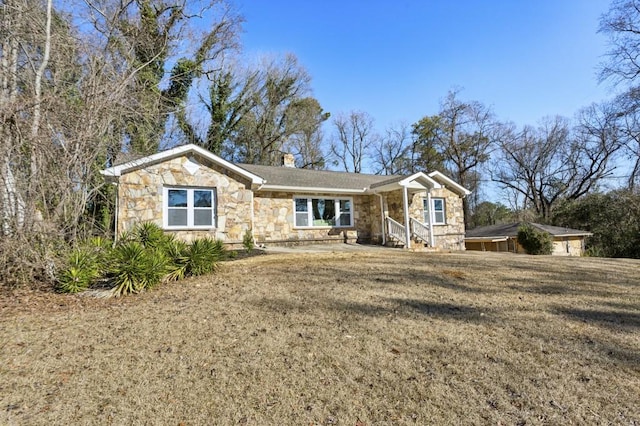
(204, 255)
(177, 252)
(81, 272)
(157, 267)
(149, 234)
(129, 269)
(100, 243)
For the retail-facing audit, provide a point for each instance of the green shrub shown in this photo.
(247, 241)
(81, 271)
(534, 241)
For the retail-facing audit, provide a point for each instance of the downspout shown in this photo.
(432, 238)
(253, 224)
(407, 231)
(382, 221)
(115, 228)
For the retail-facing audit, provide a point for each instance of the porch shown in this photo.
(406, 219)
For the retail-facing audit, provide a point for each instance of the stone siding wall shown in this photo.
(451, 235)
(140, 196)
(274, 220)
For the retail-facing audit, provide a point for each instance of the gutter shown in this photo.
(306, 189)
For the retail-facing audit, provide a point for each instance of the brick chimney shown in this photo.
(288, 160)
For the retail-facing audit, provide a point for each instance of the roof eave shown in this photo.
(487, 239)
(438, 176)
(159, 157)
(309, 189)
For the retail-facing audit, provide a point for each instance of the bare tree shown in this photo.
(264, 129)
(353, 138)
(621, 24)
(462, 134)
(555, 162)
(62, 104)
(392, 154)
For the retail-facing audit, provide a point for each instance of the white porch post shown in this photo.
(382, 221)
(407, 231)
(432, 240)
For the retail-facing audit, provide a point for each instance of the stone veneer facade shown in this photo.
(140, 196)
(274, 220)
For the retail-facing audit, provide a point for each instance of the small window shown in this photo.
(302, 212)
(323, 212)
(437, 211)
(189, 208)
(345, 213)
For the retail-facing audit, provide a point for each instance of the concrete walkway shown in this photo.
(326, 248)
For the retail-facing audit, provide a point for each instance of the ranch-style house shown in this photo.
(191, 192)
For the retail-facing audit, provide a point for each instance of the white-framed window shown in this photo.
(323, 212)
(193, 208)
(438, 210)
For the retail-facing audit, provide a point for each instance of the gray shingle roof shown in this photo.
(290, 176)
(511, 230)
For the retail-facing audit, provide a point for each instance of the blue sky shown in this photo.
(397, 59)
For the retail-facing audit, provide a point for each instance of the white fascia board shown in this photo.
(116, 171)
(449, 182)
(486, 239)
(306, 189)
(419, 176)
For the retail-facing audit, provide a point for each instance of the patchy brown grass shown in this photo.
(383, 337)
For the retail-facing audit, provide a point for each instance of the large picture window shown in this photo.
(323, 212)
(438, 210)
(189, 208)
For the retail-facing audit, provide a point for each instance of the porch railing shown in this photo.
(395, 229)
(420, 231)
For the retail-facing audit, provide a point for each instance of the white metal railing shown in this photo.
(420, 230)
(395, 229)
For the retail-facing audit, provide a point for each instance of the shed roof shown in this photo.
(511, 230)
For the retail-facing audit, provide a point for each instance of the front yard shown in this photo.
(379, 337)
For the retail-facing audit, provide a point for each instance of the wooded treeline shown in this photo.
(86, 84)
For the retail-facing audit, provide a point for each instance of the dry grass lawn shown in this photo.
(363, 338)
